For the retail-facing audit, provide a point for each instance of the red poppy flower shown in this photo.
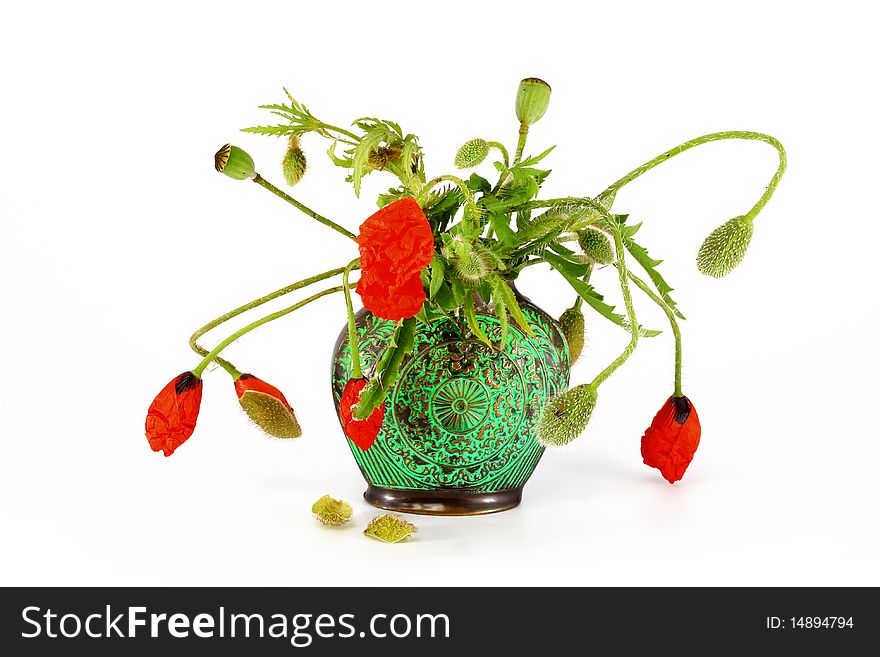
(171, 418)
(395, 245)
(267, 407)
(361, 432)
(673, 437)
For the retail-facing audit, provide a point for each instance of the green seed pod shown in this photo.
(532, 100)
(471, 153)
(389, 528)
(596, 246)
(380, 157)
(572, 324)
(331, 512)
(566, 416)
(294, 163)
(725, 247)
(234, 162)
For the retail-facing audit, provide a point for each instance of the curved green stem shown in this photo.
(499, 146)
(353, 345)
(212, 355)
(630, 313)
(225, 364)
(299, 206)
(705, 139)
(521, 143)
(458, 182)
(672, 322)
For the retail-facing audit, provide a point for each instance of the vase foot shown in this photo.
(442, 502)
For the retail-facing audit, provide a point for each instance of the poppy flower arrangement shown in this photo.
(438, 246)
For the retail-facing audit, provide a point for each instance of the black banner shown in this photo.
(440, 621)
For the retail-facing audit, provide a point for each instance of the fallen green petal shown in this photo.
(331, 511)
(390, 528)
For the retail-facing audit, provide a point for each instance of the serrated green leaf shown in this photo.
(594, 299)
(438, 270)
(470, 316)
(649, 264)
(566, 264)
(501, 226)
(387, 369)
(271, 130)
(504, 292)
(477, 183)
(535, 158)
(501, 314)
(338, 161)
(369, 142)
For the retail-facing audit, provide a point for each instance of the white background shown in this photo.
(118, 239)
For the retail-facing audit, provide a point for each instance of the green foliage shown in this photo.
(594, 299)
(640, 254)
(387, 369)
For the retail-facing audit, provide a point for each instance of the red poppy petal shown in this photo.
(362, 433)
(672, 439)
(396, 244)
(250, 383)
(171, 418)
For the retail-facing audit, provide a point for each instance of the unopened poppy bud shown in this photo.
(331, 512)
(472, 153)
(294, 163)
(472, 263)
(390, 528)
(572, 324)
(532, 100)
(266, 407)
(725, 247)
(596, 246)
(234, 162)
(565, 417)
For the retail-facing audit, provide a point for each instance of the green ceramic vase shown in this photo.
(458, 436)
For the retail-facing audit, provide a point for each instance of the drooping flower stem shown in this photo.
(500, 147)
(299, 206)
(287, 289)
(705, 139)
(212, 355)
(353, 346)
(672, 322)
(630, 313)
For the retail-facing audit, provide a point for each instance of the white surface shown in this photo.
(119, 239)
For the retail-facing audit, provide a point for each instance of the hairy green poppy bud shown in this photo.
(566, 416)
(472, 263)
(532, 99)
(234, 162)
(389, 528)
(725, 247)
(267, 407)
(294, 163)
(471, 153)
(572, 324)
(331, 512)
(596, 246)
